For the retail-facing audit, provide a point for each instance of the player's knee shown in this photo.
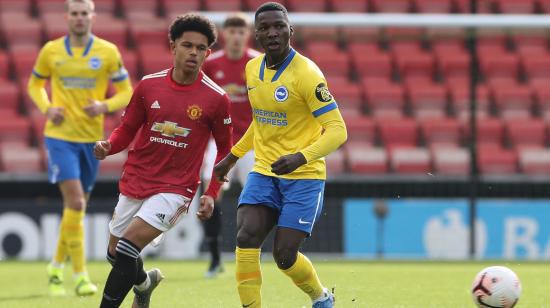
(284, 257)
(247, 239)
(76, 203)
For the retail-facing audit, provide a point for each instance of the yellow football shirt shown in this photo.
(76, 76)
(289, 106)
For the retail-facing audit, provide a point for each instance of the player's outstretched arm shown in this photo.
(222, 168)
(334, 135)
(102, 149)
(242, 147)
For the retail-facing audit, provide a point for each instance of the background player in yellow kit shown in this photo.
(79, 67)
(296, 123)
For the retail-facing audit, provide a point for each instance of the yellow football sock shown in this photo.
(72, 229)
(61, 250)
(249, 276)
(304, 276)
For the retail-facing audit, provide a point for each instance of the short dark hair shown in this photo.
(193, 22)
(237, 20)
(271, 6)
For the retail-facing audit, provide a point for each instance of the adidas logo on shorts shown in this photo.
(161, 216)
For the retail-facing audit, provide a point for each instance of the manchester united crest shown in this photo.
(194, 112)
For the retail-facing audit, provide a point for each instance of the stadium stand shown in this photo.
(403, 92)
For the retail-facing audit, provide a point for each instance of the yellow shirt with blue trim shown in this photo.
(293, 111)
(77, 75)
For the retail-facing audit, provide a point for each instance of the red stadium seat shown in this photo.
(130, 60)
(252, 5)
(336, 162)
(541, 91)
(49, 6)
(391, 6)
(453, 63)
(181, 7)
(396, 133)
(515, 6)
(415, 64)
(532, 41)
(360, 34)
(9, 95)
(151, 32)
(14, 128)
(20, 158)
(441, 132)
(23, 59)
(372, 64)
(18, 28)
(385, 99)
(495, 160)
(150, 64)
(526, 133)
(460, 100)
(365, 159)
(490, 132)
(433, 6)
(360, 129)
(335, 64)
(355, 6)
(4, 66)
(348, 95)
(55, 24)
(499, 65)
(536, 66)
(411, 160)
(112, 29)
(545, 6)
(19, 6)
(451, 161)
(428, 100)
(513, 100)
(223, 5)
(309, 34)
(307, 6)
(534, 161)
(142, 8)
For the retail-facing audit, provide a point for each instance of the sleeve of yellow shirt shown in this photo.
(245, 144)
(334, 134)
(37, 82)
(324, 109)
(121, 81)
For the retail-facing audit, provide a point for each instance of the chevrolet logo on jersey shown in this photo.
(170, 129)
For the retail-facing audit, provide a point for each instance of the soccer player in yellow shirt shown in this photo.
(79, 67)
(296, 123)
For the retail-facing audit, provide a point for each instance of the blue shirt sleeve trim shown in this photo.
(35, 73)
(120, 78)
(325, 109)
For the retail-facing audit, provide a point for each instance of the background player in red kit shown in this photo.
(177, 110)
(226, 68)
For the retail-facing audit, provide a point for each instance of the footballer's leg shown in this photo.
(302, 206)
(212, 232)
(253, 225)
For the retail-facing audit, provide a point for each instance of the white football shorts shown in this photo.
(162, 211)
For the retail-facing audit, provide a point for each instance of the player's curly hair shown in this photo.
(193, 22)
(271, 6)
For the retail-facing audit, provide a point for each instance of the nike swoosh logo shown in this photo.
(246, 306)
(302, 222)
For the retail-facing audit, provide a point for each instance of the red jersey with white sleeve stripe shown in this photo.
(230, 75)
(175, 123)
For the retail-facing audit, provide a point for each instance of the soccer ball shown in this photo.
(497, 287)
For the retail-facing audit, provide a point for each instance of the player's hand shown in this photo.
(102, 149)
(288, 163)
(206, 207)
(222, 168)
(56, 115)
(95, 108)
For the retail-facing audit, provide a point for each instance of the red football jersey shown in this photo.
(230, 75)
(176, 122)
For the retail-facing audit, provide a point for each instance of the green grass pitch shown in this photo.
(357, 284)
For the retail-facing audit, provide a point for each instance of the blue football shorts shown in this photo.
(71, 160)
(299, 202)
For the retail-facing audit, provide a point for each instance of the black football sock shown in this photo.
(123, 275)
(141, 274)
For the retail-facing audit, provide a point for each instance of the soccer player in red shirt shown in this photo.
(173, 112)
(226, 68)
